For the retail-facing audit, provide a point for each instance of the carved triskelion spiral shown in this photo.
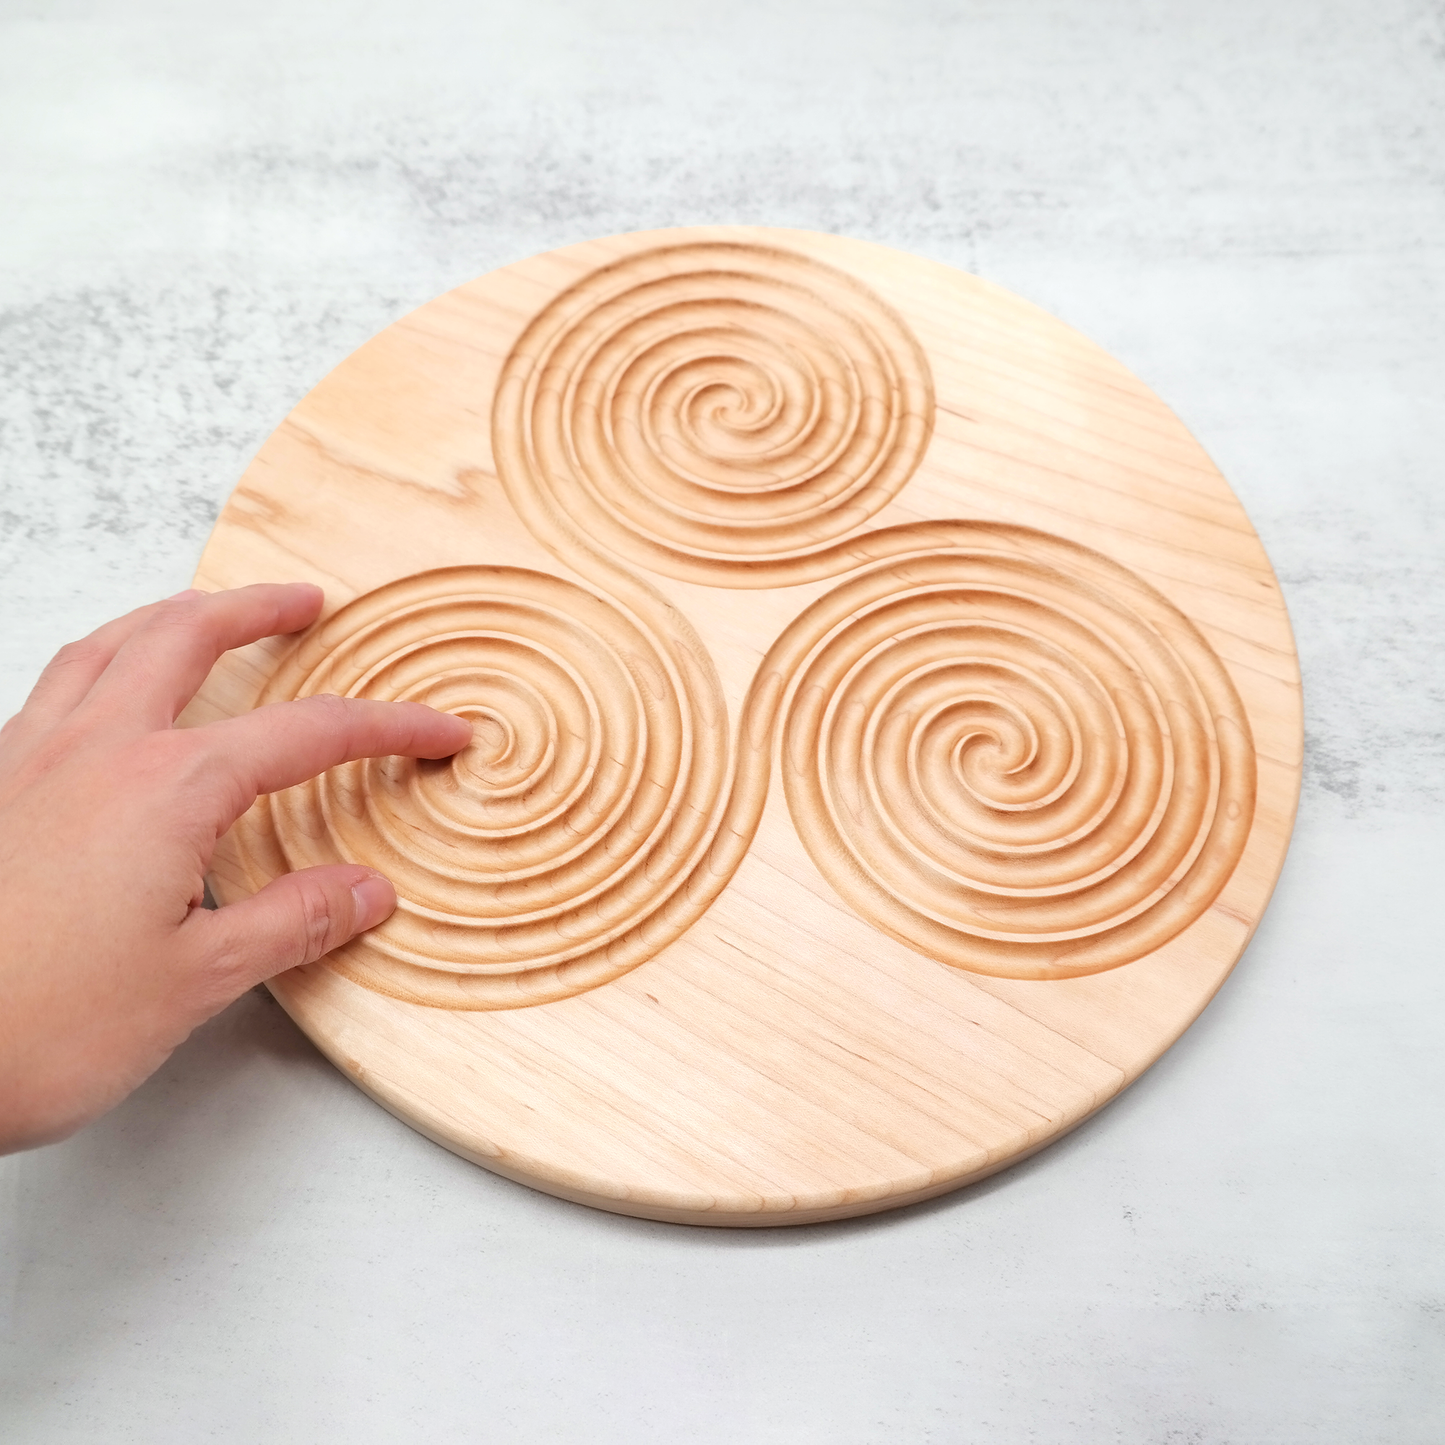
(1003, 749)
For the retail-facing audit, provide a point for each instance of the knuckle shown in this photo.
(76, 654)
(337, 714)
(183, 624)
(320, 929)
(58, 747)
(329, 704)
(184, 616)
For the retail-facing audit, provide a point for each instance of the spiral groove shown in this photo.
(555, 852)
(1010, 753)
(1006, 751)
(722, 413)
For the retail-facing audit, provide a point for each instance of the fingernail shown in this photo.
(189, 592)
(375, 900)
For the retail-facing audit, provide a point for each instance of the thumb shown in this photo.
(294, 919)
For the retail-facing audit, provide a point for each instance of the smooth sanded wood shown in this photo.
(887, 721)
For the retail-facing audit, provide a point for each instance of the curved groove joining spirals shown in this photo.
(1007, 751)
(718, 412)
(557, 851)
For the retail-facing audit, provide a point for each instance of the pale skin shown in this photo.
(109, 815)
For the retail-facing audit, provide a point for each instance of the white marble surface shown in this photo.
(202, 208)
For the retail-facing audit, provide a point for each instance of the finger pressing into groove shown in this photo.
(294, 919)
(74, 670)
(288, 742)
(158, 668)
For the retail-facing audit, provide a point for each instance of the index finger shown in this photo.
(285, 743)
(159, 667)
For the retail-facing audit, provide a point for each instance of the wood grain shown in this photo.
(887, 721)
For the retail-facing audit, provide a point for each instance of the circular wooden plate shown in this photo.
(887, 722)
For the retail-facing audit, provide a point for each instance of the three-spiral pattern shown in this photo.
(999, 747)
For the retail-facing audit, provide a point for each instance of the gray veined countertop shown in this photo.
(205, 209)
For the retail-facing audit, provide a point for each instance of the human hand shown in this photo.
(108, 818)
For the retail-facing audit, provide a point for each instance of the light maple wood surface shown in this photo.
(888, 726)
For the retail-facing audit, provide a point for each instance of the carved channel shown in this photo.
(556, 851)
(722, 413)
(1003, 749)
(1011, 753)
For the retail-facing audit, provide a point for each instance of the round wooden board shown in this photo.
(888, 724)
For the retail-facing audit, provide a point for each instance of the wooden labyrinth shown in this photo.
(887, 725)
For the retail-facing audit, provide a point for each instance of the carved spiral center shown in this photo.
(530, 864)
(1012, 754)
